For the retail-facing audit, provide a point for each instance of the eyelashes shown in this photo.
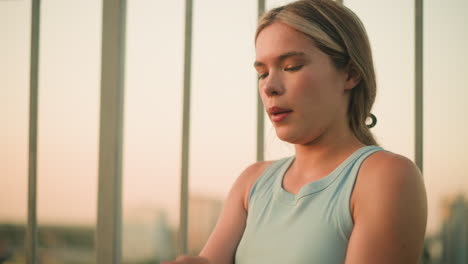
(294, 68)
(288, 69)
(262, 76)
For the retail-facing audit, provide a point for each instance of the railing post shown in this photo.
(418, 86)
(184, 179)
(260, 109)
(109, 215)
(31, 233)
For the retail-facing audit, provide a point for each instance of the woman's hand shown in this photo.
(188, 260)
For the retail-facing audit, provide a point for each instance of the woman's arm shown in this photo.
(389, 209)
(223, 241)
(222, 244)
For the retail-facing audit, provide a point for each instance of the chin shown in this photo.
(295, 137)
(287, 136)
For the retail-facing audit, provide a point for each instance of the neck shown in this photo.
(318, 158)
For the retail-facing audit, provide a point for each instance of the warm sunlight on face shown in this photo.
(304, 95)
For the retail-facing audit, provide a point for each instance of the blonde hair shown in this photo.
(340, 34)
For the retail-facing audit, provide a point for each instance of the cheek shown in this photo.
(262, 95)
(307, 91)
(315, 99)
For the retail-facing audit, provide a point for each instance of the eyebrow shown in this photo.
(282, 57)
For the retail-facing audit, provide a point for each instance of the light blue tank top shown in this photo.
(313, 226)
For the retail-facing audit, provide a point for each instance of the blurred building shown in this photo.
(147, 236)
(203, 215)
(450, 245)
(454, 233)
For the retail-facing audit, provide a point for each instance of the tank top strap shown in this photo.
(268, 176)
(351, 171)
(345, 187)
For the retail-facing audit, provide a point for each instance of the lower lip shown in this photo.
(279, 117)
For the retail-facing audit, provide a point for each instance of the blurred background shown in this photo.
(223, 119)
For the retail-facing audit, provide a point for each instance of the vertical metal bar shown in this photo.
(31, 233)
(184, 184)
(418, 96)
(260, 109)
(109, 215)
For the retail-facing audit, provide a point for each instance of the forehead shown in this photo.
(278, 38)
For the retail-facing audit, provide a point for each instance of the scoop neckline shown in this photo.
(314, 186)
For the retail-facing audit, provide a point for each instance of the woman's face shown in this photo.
(304, 95)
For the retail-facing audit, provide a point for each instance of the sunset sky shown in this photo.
(223, 109)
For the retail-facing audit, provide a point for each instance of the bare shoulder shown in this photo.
(385, 174)
(389, 209)
(249, 176)
(384, 167)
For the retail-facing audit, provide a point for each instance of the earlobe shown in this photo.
(353, 78)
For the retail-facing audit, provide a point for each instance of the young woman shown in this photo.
(340, 198)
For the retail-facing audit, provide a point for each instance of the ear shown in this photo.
(353, 76)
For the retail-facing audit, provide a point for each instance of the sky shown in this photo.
(223, 110)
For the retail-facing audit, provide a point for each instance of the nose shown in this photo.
(273, 85)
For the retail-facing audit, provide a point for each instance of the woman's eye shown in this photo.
(294, 68)
(262, 76)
